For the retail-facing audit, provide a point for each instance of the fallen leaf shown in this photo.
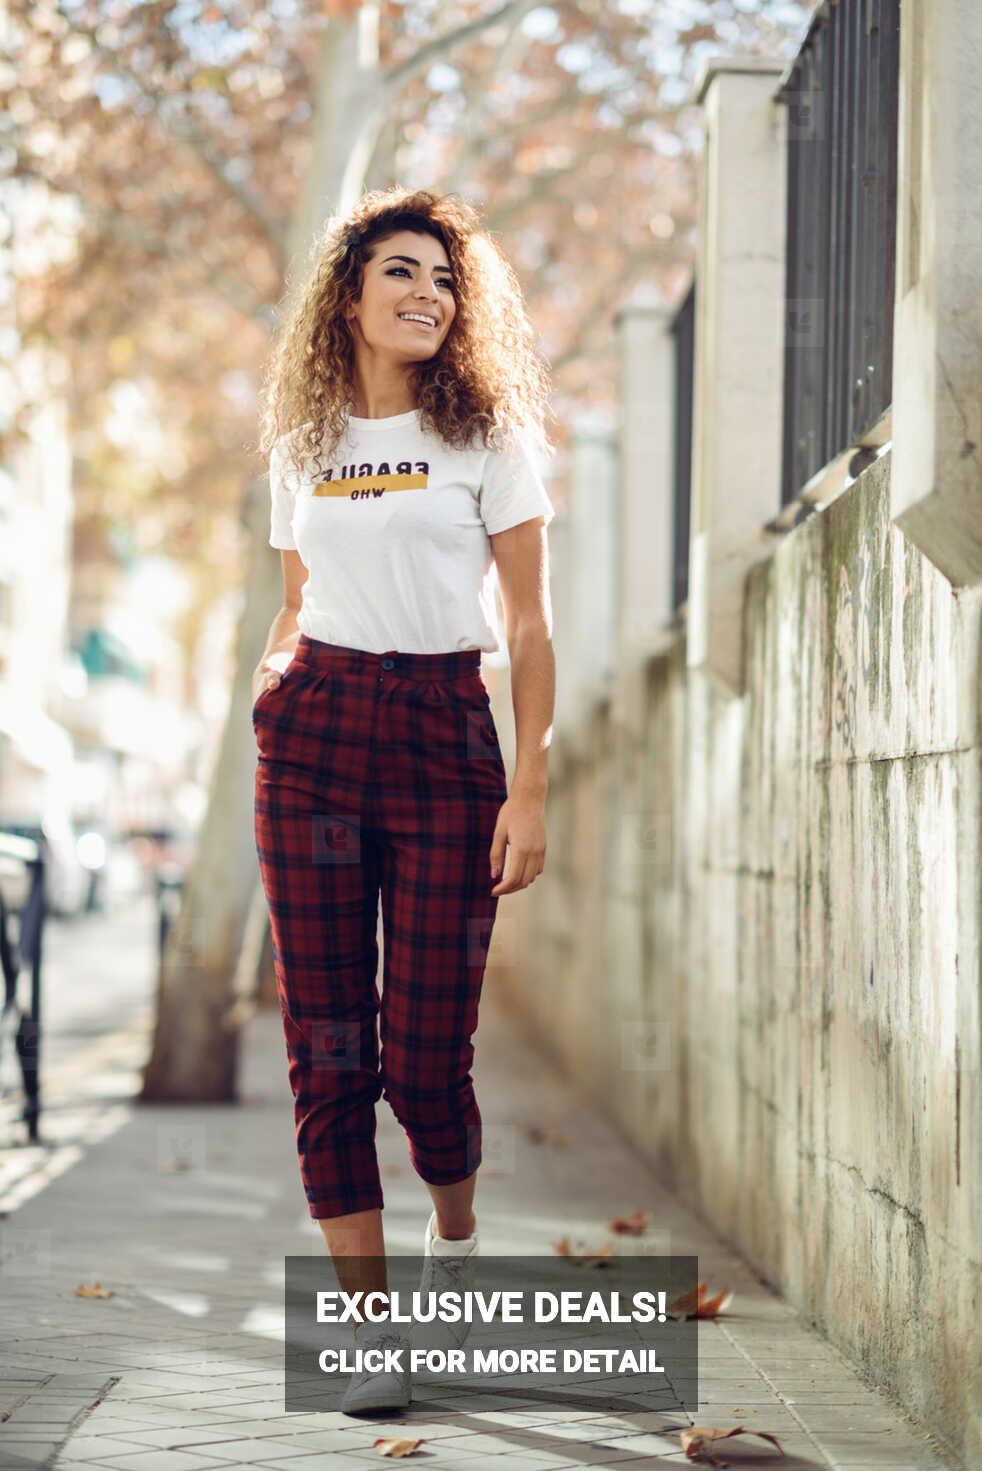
(631, 1225)
(387, 1446)
(694, 1439)
(94, 1289)
(717, 1304)
(695, 1304)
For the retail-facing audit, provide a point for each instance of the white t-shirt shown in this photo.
(395, 534)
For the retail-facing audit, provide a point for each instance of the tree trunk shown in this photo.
(194, 1056)
(195, 1047)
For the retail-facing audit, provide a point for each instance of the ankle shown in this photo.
(454, 1233)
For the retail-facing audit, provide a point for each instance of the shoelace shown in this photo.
(455, 1265)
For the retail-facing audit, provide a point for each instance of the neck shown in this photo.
(381, 398)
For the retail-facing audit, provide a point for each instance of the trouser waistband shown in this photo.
(450, 665)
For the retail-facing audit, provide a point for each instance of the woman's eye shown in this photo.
(441, 280)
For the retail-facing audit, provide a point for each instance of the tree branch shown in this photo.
(513, 12)
(543, 183)
(479, 93)
(122, 227)
(189, 138)
(595, 318)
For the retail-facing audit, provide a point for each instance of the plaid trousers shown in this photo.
(378, 775)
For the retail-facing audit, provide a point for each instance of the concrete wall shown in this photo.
(756, 942)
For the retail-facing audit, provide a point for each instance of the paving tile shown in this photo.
(188, 1431)
(87, 1447)
(14, 1453)
(32, 1431)
(293, 1462)
(64, 1465)
(326, 1440)
(831, 1419)
(148, 1413)
(240, 1452)
(883, 1449)
(197, 1394)
(164, 1461)
(930, 1462)
(181, 1437)
(296, 1462)
(342, 1437)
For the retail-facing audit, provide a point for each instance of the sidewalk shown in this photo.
(187, 1214)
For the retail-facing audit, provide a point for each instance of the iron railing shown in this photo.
(683, 330)
(20, 1018)
(841, 95)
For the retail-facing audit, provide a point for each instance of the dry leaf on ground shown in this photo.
(694, 1439)
(696, 1304)
(631, 1225)
(388, 1446)
(92, 1289)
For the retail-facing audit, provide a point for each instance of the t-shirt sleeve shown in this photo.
(512, 489)
(282, 492)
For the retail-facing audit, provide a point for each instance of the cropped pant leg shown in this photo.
(378, 775)
(321, 885)
(438, 806)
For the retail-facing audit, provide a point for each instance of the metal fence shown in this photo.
(22, 859)
(841, 96)
(683, 330)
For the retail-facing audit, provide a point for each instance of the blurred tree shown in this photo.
(174, 133)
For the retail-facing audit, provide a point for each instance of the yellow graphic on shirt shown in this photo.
(369, 486)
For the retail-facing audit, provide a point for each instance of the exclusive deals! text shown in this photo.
(479, 1307)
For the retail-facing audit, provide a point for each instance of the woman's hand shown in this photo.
(265, 678)
(522, 825)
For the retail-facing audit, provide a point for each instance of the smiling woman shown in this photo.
(477, 371)
(415, 290)
(405, 407)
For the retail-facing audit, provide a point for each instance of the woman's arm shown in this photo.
(521, 556)
(283, 632)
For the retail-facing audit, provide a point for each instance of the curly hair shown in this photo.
(486, 377)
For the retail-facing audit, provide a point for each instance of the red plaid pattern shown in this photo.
(378, 774)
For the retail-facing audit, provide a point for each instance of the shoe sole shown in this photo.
(382, 1399)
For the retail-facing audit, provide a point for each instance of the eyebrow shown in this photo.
(410, 261)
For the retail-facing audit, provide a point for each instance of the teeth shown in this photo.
(416, 317)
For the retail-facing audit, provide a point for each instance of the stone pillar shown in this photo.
(646, 354)
(563, 632)
(739, 353)
(936, 484)
(593, 560)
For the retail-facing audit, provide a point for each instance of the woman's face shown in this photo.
(408, 273)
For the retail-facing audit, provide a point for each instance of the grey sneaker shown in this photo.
(447, 1267)
(379, 1389)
